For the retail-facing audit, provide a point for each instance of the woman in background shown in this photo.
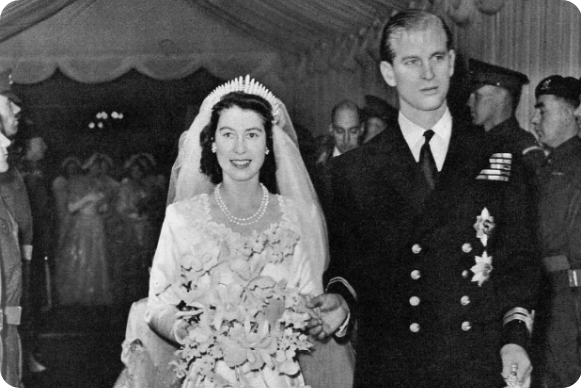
(70, 170)
(140, 202)
(82, 274)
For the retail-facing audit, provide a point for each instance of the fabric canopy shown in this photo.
(99, 40)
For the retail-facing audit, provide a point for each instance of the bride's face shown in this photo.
(241, 142)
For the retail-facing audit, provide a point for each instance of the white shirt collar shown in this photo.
(336, 152)
(439, 144)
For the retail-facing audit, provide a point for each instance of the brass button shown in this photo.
(467, 247)
(414, 301)
(416, 248)
(415, 274)
(465, 274)
(466, 326)
(415, 327)
(465, 300)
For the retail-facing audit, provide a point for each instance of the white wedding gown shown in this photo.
(189, 235)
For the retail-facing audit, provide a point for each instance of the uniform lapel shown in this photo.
(399, 170)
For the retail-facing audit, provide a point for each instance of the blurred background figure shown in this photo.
(140, 203)
(495, 95)
(345, 133)
(377, 112)
(35, 281)
(70, 170)
(82, 271)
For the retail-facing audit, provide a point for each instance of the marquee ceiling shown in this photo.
(99, 40)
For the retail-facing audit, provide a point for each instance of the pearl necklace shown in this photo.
(238, 220)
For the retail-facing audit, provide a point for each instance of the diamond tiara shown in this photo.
(246, 85)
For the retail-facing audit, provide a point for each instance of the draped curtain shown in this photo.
(536, 37)
(20, 15)
(312, 54)
(99, 40)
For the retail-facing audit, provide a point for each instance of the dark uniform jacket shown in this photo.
(560, 203)
(510, 137)
(10, 293)
(428, 314)
(559, 232)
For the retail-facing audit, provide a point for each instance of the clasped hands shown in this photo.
(328, 313)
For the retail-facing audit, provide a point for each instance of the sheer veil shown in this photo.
(293, 180)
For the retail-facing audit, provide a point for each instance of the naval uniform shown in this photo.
(429, 294)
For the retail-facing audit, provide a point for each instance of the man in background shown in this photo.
(345, 132)
(555, 122)
(495, 96)
(15, 239)
(15, 197)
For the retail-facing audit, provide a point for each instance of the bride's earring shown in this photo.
(267, 151)
(213, 148)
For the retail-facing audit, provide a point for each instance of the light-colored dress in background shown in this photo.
(81, 267)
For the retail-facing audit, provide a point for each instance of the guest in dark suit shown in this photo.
(431, 246)
(345, 132)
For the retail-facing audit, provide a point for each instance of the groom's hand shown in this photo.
(515, 356)
(333, 312)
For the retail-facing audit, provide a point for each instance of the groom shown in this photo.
(431, 238)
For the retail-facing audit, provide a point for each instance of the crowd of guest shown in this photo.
(107, 229)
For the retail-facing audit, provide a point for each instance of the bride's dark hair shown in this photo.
(209, 162)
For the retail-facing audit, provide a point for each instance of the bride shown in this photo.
(242, 212)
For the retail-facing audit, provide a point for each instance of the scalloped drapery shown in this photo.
(312, 54)
(100, 40)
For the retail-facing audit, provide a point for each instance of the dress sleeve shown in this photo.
(165, 271)
(310, 252)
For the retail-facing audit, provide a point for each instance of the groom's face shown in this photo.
(421, 68)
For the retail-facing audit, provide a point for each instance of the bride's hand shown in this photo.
(333, 312)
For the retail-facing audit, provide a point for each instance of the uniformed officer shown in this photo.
(431, 251)
(495, 96)
(554, 120)
(10, 285)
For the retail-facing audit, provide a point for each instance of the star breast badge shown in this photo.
(484, 226)
(482, 268)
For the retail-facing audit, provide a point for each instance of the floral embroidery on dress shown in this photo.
(233, 313)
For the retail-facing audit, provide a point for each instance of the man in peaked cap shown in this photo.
(495, 95)
(15, 243)
(9, 104)
(557, 100)
(376, 115)
(14, 194)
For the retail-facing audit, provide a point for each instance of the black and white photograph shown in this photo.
(290, 193)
